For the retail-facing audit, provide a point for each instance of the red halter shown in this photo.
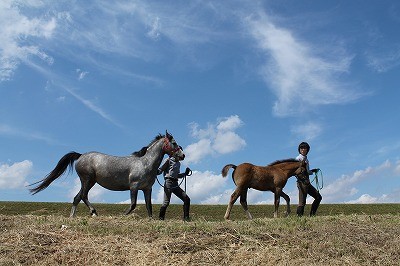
(167, 147)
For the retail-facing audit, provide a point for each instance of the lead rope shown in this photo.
(183, 179)
(317, 180)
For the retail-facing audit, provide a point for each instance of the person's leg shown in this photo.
(186, 201)
(167, 198)
(313, 192)
(302, 197)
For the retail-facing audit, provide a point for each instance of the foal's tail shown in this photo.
(67, 160)
(226, 168)
(225, 171)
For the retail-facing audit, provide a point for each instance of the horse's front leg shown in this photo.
(287, 199)
(134, 193)
(147, 199)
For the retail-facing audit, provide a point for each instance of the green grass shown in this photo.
(198, 212)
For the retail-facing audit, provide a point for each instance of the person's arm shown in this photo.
(186, 173)
(163, 168)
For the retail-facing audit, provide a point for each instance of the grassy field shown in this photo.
(42, 234)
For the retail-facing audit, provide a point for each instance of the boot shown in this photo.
(162, 213)
(300, 211)
(186, 208)
(315, 206)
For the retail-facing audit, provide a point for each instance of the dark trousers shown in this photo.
(172, 186)
(305, 188)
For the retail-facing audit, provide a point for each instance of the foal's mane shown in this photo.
(143, 150)
(291, 160)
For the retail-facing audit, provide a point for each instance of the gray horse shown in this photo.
(135, 172)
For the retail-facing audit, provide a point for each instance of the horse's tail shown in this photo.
(67, 160)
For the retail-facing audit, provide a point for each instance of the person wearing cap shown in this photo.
(171, 169)
(304, 185)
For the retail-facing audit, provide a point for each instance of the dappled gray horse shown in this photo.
(135, 172)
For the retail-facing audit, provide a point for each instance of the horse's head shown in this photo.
(301, 171)
(172, 148)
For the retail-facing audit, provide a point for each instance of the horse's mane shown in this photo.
(291, 160)
(142, 151)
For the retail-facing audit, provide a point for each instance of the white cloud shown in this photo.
(346, 185)
(364, 199)
(14, 176)
(215, 139)
(15, 30)
(299, 77)
(197, 151)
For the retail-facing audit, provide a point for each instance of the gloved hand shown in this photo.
(315, 170)
(188, 172)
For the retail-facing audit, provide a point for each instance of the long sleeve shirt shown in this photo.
(171, 168)
(301, 157)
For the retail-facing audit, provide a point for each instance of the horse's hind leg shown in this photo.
(232, 201)
(134, 193)
(75, 203)
(243, 202)
(86, 186)
(287, 199)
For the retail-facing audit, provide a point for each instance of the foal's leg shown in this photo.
(286, 197)
(147, 199)
(243, 202)
(134, 193)
(277, 195)
(234, 197)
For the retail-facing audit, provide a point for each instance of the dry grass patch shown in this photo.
(121, 240)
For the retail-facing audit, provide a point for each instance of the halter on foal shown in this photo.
(265, 178)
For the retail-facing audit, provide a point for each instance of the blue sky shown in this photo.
(233, 81)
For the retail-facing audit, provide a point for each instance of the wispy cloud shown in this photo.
(89, 104)
(20, 133)
(296, 71)
(307, 131)
(215, 139)
(15, 31)
(81, 74)
(383, 60)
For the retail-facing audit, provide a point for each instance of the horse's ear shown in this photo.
(169, 136)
